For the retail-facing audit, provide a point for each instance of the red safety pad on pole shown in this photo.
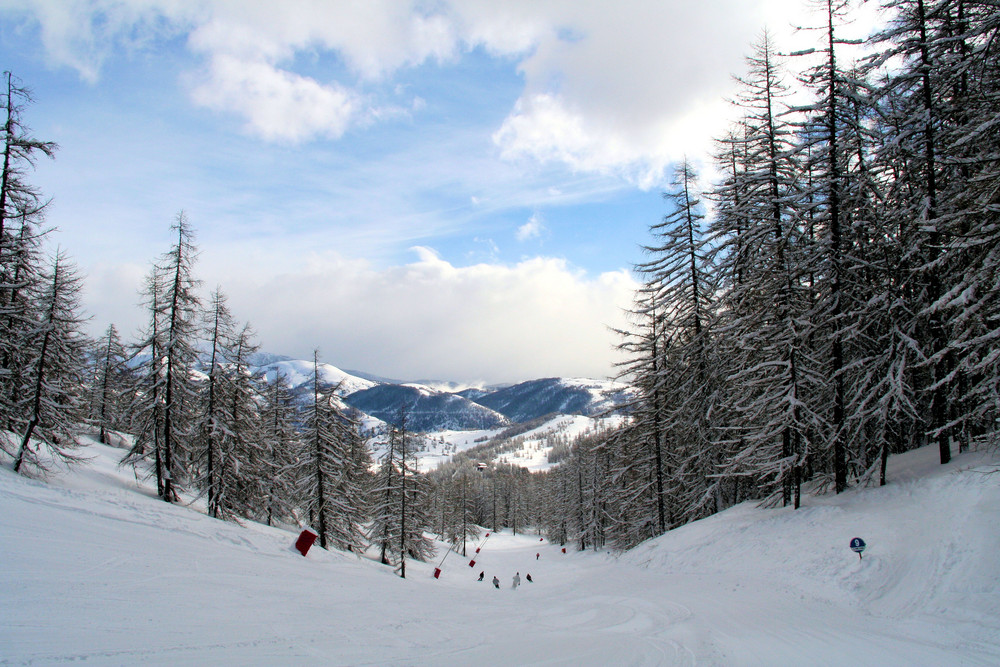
(306, 539)
(472, 563)
(437, 572)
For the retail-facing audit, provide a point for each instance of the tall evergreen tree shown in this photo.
(282, 442)
(49, 401)
(110, 386)
(680, 282)
(211, 422)
(182, 309)
(170, 389)
(243, 456)
(399, 511)
(21, 262)
(331, 470)
(770, 323)
(146, 407)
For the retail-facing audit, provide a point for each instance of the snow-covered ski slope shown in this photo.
(96, 571)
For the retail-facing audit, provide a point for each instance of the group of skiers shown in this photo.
(516, 582)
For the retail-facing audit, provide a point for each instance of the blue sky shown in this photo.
(450, 190)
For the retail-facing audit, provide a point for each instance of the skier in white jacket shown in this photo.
(517, 580)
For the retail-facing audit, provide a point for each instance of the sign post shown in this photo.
(858, 546)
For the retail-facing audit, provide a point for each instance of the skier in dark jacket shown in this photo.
(528, 577)
(481, 575)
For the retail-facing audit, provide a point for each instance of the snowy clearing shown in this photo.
(95, 569)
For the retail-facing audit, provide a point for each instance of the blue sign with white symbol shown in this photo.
(857, 546)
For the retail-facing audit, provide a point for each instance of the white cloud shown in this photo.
(277, 104)
(82, 34)
(621, 88)
(532, 229)
(430, 318)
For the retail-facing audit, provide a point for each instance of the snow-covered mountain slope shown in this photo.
(528, 445)
(532, 449)
(441, 406)
(426, 409)
(529, 400)
(98, 571)
(299, 372)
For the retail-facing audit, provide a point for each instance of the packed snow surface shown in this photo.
(97, 570)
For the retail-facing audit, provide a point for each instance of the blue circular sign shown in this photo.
(857, 545)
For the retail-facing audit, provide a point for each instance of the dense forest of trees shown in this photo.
(839, 302)
(831, 298)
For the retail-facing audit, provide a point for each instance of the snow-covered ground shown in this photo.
(96, 570)
(440, 446)
(534, 444)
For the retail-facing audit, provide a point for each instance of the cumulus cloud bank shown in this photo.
(624, 87)
(430, 319)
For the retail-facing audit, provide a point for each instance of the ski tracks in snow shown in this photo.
(625, 630)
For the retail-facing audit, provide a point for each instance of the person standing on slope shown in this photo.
(517, 581)
(496, 582)
(481, 575)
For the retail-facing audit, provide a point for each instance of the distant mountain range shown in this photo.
(435, 408)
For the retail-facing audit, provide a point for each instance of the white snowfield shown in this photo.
(96, 571)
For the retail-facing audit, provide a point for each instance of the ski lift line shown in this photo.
(472, 563)
(441, 564)
(446, 552)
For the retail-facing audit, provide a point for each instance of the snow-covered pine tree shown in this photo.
(384, 529)
(21, 262)
(638, 450)
(319, 459)
(399, 510)
(109, 388)
(330, 471)
(168, 387)
(765, 262)
(353, 480)
(49, 403)
(146, 408)
(182, 309)
(281, 439)
(461, 494)
(243, 469)
(926, 175)
(824, 206)
(211, 422)
(679, 282)
(975, 149)
(23, 279)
